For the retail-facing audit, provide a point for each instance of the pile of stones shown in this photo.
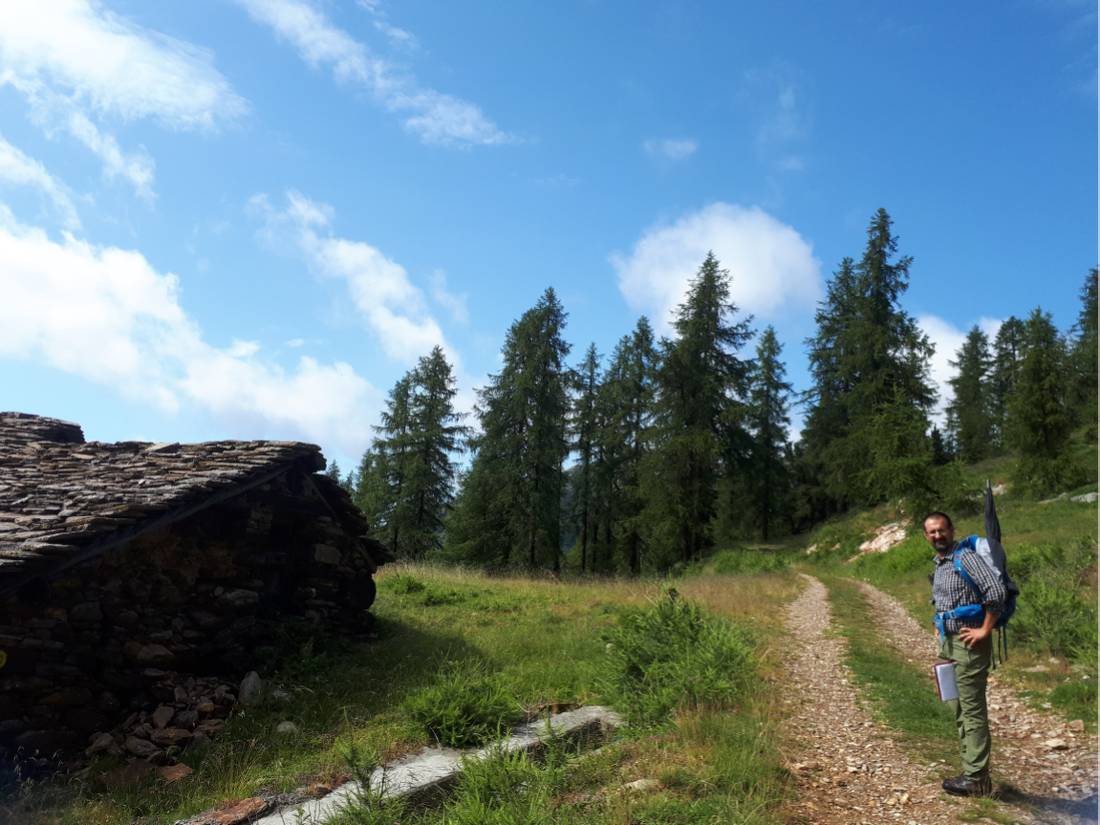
(191, 711)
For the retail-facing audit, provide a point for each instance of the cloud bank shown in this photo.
(106, 315)
(771, 264)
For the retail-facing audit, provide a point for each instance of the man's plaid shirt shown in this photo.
(950, 590)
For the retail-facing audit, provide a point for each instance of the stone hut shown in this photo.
(130, 569)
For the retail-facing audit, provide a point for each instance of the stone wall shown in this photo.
(146, 625)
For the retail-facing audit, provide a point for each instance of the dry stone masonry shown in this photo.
(139, 582)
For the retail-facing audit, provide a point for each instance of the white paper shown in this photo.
(945, 681)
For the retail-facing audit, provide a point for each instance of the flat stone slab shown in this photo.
(430, 770)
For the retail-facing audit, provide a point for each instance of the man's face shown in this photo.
(939, 533)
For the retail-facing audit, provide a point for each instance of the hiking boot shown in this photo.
(964, 785)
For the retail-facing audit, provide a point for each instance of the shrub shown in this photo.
(467, 706)
(402, 583)
(672, 655)
(742, 561)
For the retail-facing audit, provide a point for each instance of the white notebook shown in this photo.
(945, 680)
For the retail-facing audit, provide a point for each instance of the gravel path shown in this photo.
(847, 768)
(1048, 765)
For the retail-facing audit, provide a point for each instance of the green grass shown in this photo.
(901, 694)
(541, 641)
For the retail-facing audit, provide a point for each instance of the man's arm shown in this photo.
(971, 636)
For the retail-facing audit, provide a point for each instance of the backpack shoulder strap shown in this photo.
(956, 560)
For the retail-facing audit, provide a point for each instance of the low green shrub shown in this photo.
(743, 561)
(401, 583)
(466, 706)
(672, 655)
(505, 788)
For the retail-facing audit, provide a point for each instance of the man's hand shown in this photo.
(971, 636)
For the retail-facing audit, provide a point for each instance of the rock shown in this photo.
(281, 695)
(101, 742)
(1077, 725)
(205, 708)
(1056, 744)
(154, 654)
(171, 736)
(251, 688)
(642, 786)
(1085, 498)
(233, 813)
(886, 536)
(187, 719)
(326, 554)
(286, 728)
(210, 727)
(239, 598)
(163, 715)
(174, 773)
(86, 612)
(141, 748)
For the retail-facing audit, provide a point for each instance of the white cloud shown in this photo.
(670, 148)
(19, 169)
(948, 340)
(455, 303)
(397, 36)
(74, 61)
(107, 315)
(392, 306)
(771, 264)
(114, 66)
(136, 168)
(436, 118)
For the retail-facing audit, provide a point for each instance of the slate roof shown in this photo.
(63, 500)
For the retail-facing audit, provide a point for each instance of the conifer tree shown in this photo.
(509, 511)
(870, 365)
(332, 470)
(584, 430)
(768, 421)
(405, 484)
(1039, 419)
(1008, 352)
(1084, 356)
(625, 407)
(701, 392)
(970, 413)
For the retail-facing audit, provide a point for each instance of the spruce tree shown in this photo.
(701, 393)
(1008, 352)
(625, 409)
(584, 431)
(1039, 417)
(870, 365)
(970, 413)
(1084, 357)
(509, 510)
(768, 421)
(405, 484)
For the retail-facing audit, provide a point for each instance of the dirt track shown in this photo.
(849, 771)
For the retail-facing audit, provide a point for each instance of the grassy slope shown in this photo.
(544, 639)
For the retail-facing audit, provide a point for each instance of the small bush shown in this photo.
(402, 583)
(435, 596)
(467, 706)
(742, 561)
(672, 655)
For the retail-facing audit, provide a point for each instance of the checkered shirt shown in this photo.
(950, 590)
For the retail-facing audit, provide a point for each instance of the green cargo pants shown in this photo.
(971, 712)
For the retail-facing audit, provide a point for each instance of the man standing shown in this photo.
(965, 616)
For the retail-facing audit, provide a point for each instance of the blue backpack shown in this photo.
(990, 551)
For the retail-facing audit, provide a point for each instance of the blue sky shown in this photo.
(247, 218)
